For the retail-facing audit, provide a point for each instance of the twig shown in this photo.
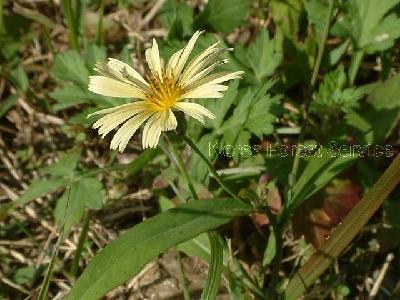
(381, 276)
(153, 11)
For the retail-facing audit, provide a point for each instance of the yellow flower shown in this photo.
(160, 94)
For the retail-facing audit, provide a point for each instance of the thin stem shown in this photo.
(211, 168)
(99, 37)
(216, 249)
(182, 278)
(181, 166)
(46, 281)
(293, 174)
(71, 23)
(2, 29)
(356, 60)
(81, 243)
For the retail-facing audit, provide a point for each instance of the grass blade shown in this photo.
(345, 232)
(71, 23)
(216, 267)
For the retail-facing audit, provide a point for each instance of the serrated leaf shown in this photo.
(262, 56)
(332, 96)
(124, 257)
(256, 111)
(65, 166)
(221, 106)
(40, 188)
(370, 24)
(83, 194)
(224, 15)
(68, 96)
(70, 66)
(379, 115)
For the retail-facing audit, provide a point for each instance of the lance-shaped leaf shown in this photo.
(125, 257)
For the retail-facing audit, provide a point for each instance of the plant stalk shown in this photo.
(345, 232)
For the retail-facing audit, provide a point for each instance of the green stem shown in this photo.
(81, 243)
(47, 279)
(355, 64)
(99, 34)
(71, 23)
(186, 295)
(211, 168)
(2, 29)
(215, 269)
(346, 231)
(282, 219)
(293, 174)
(181, 166)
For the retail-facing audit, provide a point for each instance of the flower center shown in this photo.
(164, 94)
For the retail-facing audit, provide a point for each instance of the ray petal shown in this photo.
(125, 71)
(214, 79)
(185, 54)
(173, 61)
(195, 111)
(125, 133)
(205, 91)
(113, 88)
(112, 120)
(190, 71)
(203, 73)
(154, 61)
(152, 131)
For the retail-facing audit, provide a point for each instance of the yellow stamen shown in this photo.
(164, 94)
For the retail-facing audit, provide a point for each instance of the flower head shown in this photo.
(159, 94)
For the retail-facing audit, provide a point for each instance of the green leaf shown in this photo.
(377, 118)
(70, 66)
(9, 102)
(317, 12)
(141, 161)
(224, 15)
(40, 188)
(94, 53)
(173, 13)
(83, 194)
(65, 166)
(371, 24)
(323, 167)
(124, 257)
(221, 106)
(333, 97)
(25, 275)
(68, 96)
(262, 57)
(198, 246)
(286, 15)
(19, 78)
(255, 113)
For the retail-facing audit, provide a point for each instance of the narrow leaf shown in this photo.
(125, 257)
